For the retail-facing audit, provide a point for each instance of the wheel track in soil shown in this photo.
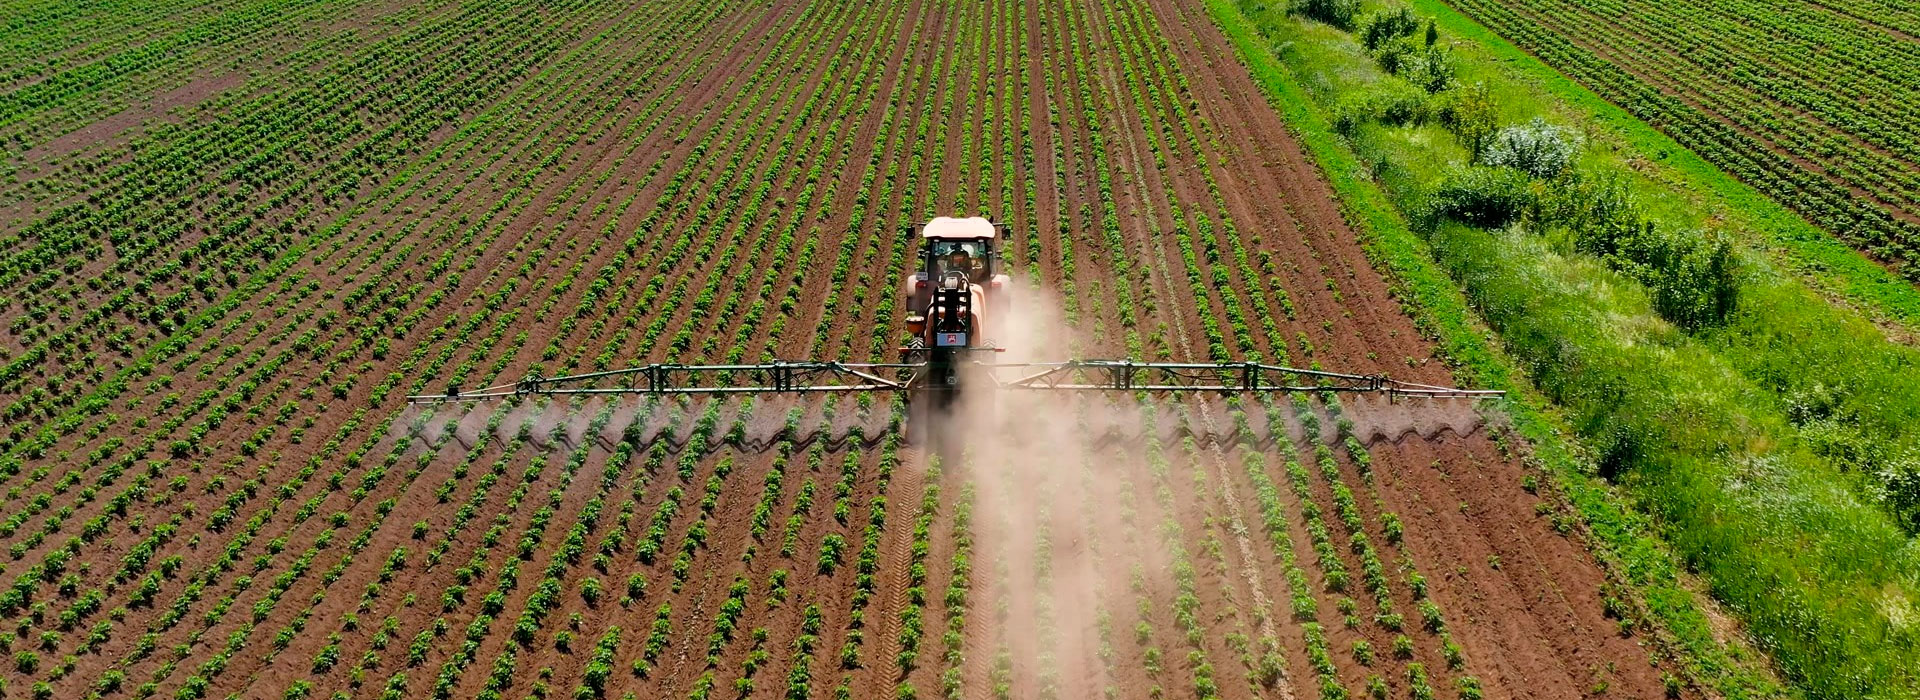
(1250, 574)
(880, 672)
(983, 630)
(1237, 527)
(1229, 500)
(896, 556)
(1143, 200)
(1180, 324)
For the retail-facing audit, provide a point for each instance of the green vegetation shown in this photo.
(1768, 433)
(1809, 102)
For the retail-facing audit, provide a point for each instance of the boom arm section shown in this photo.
(668, 378)
(841, 377)
(1213, 377)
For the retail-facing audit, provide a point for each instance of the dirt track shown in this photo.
(683, 182)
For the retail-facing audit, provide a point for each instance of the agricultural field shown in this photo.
(1809, 102)
(237, 236)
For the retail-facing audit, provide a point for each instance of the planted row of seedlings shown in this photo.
(200, 248)
(1715, 57)
(107, 67)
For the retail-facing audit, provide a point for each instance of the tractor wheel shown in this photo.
(915, 431)
(929, 418)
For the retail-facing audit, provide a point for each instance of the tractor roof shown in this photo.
(950, 227)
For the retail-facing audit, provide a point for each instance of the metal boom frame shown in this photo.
(1215, 377)
(842, 377)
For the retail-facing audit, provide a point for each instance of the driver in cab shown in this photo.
(961, 261)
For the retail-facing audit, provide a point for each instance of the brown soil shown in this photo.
(1104, 557)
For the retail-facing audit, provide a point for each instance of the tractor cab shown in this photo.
(959, 245)
(971, 258)
(958, 286)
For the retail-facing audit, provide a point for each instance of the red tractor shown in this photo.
(957, 305)
(956, 299)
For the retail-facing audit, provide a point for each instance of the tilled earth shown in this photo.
(217, 488)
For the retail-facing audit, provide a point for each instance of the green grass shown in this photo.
(1697, 426)
(1806, 330)
(1791, 241)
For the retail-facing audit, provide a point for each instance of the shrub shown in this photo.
(1390, 103)
(1339, 13)
(1433, 71)
(1536, 148)
(1483, 197)
(1897, 482)
(1473, 115)
(1690, 273)
(1401, 107)
(1387, 27)
(1428, 67)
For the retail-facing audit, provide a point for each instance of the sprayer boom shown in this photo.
(841, 377)
(957, 300)
(668, 378)
(1213, 377)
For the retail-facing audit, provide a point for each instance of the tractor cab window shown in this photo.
(966, 257)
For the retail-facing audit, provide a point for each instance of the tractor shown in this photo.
(957, 302)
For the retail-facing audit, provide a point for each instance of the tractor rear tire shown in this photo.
(914, 433)
(930, 424)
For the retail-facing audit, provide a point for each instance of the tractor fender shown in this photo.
(979, 307)
(999, 300)
(917, 291)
